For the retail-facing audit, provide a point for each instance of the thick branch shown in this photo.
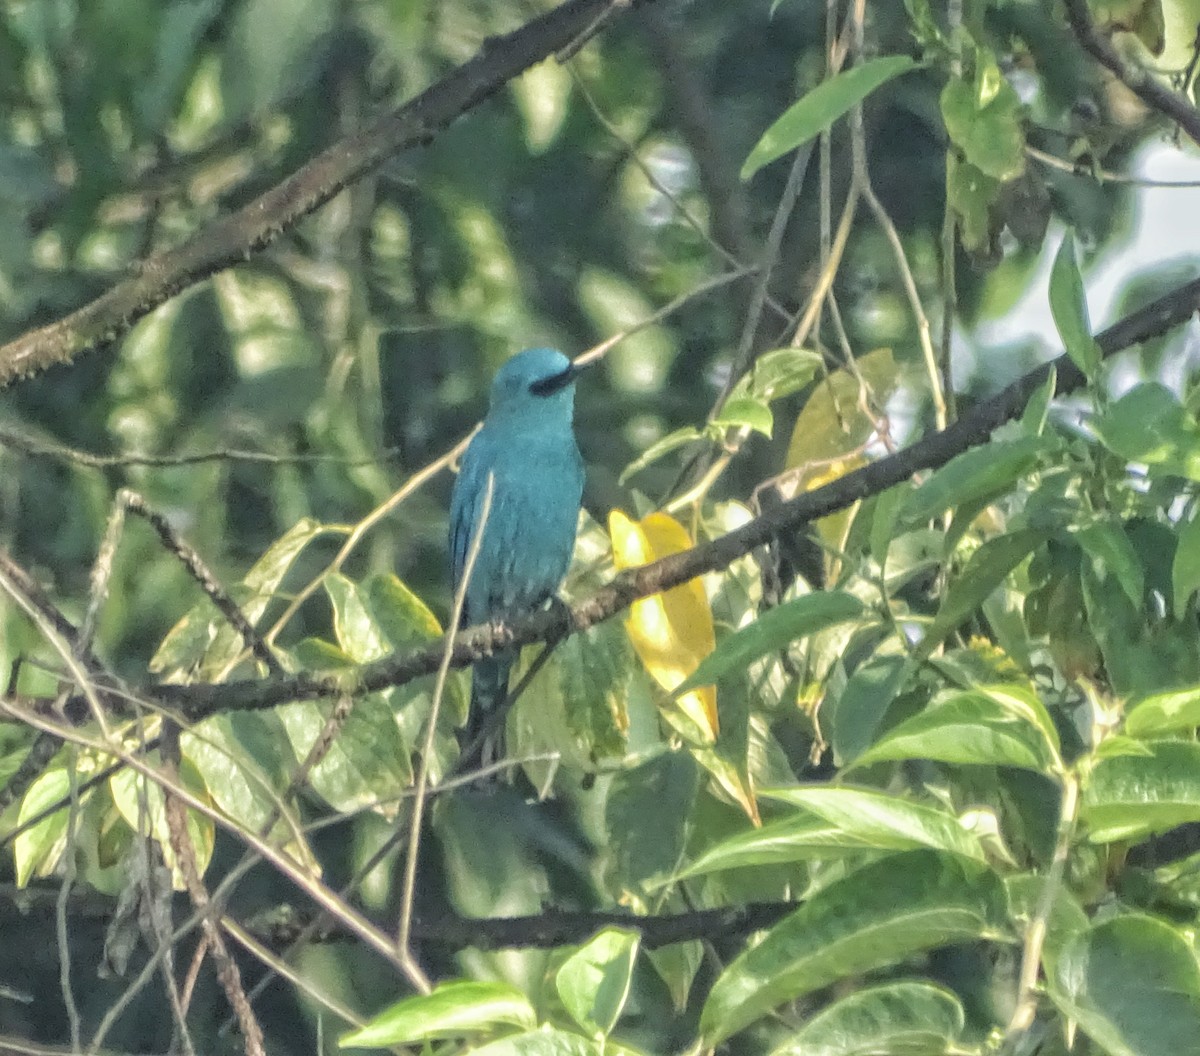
(972, 429)
(231, 238)
(1136, 78)
(552, 927)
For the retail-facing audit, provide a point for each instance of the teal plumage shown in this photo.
(527, 443)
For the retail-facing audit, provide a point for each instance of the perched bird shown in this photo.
(528, 445)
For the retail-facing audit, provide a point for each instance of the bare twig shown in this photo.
(194, 563)
(409, 887)
(47, 449)
(185, 854)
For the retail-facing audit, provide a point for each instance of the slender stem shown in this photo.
(404, 930)
(1035, 934)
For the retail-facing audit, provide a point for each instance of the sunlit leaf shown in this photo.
(672, 631)
(452, 1010)
(979, 474)
(779, 373)
(1130, 797)
(746, 413)
(38, 849)
(1165, 712)
(883, 821)
(593, 982)
(995, 726)
(900, 1019)
(773, 631)
(141, 803)
(983, 119)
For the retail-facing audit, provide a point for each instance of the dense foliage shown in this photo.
(920, 776)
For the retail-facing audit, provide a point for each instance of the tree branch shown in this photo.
(231, 238)
(552, 927)
(973, 428)
(1136, 78)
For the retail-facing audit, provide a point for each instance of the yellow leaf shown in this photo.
(671, 631)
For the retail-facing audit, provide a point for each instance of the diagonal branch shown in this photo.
(1136, 78)
(257, 224)
(973, 428)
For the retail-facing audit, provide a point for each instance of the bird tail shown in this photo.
(483, 735)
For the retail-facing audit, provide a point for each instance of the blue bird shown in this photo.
(528, 445)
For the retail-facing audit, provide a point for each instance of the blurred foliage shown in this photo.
(1002, 657)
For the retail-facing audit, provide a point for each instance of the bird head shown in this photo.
(537, 384)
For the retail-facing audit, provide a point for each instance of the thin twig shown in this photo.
(1076, 168)
(61, 926)
(409, 886)
(190, 558)
(47, 449)
(185, 856)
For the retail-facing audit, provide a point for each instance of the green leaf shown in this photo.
(746, 413)
(991, 725)
(1112, 554)
(794, 839)
(984, 120)
(900, 1019)
(547, 1041)
(987, 569)
(1133, 985)
(646, 817)
(1069, 307)
(140, 802)
(971, 194)
(773, 631)
(1149, 425)
(38, 849)
(1185, 571)
(976, 475)
(401, 615)
(367, 759)
(354, 624)
(1129, 797)
(817, 110)
(670, 442)
(202, 643)
(230, 752)
(882, 821)
(864, 702)
(876, 916)
(1033, 418)
(1166, 712)
(452, 1010)
(593, 982)
(779, 373)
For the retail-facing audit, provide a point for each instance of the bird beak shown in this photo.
(558, 382)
